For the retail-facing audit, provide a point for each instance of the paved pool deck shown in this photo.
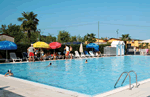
(14, 87)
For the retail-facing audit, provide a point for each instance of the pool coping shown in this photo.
(122, 88)
(52, 88)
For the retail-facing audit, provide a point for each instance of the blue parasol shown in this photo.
(7, 45)
(93, 45)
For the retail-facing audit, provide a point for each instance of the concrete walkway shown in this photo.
(143, 90)
(14, 87)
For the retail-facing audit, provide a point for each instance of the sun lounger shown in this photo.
(87, 54)
(14, 58)
(82, 55)
(91, 53)
(98, 55)
(77, 54)
(3, 59)
(72, 56)
(59, 55)
(25, 56)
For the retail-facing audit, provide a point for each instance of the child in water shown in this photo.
(86, 61)
(9, 73)
(49, 64)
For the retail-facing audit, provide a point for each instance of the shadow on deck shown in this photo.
(6, 93)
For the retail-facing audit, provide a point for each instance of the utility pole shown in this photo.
(117, 32)
(98, 32)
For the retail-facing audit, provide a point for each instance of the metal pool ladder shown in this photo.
(128, 74)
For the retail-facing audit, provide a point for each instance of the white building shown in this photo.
(119, 47)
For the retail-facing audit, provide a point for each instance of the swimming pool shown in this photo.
(97, 76)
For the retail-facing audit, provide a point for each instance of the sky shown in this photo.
(79, 17)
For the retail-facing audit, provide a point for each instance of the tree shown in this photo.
(24, 39)
(90, 38)
(63, 37)
(73, 39)
(125, 38)
(29, 22)
(12, 30)
(80, 39)
(3, 29)
(48, 38)
(141, 45)
(34, 36)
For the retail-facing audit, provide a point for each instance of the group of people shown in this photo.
(33, 52)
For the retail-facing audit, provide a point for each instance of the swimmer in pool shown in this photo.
(49, 64)
(86, 61)
(9, 73)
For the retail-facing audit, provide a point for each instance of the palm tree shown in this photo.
(146, 46)
(29, 22)
(125, 38)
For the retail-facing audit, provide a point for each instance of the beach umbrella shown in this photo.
(7, 45)
(55, 45)
(93, 45)
(40, 44)
(81, 48)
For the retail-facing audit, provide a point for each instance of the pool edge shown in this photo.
(55, 89)
(121, 89)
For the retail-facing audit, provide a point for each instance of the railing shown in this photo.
(128, 74)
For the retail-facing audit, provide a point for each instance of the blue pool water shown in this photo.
(97, 76)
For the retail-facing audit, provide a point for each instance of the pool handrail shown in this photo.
(121, 76)
(127, 75)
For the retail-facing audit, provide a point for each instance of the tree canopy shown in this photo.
(73, 39)
(12, 30)
(126, 37)
(48, 38)
(29, 22)
(90, 38)
(63, 37)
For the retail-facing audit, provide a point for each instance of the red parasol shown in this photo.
(55, 45)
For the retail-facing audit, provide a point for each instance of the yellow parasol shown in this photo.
(40, 44)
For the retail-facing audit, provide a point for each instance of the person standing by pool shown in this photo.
(71, 52)
(67, 51)
(31, 50)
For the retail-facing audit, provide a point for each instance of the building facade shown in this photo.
(6, 37)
